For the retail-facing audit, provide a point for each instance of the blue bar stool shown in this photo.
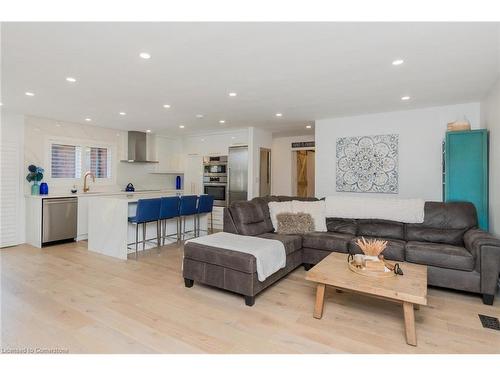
(205, 206)
(188, 207)
(169, 210)
(148, 210)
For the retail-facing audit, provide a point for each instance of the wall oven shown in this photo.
(215, 166)
(215, 178)
(218, 191)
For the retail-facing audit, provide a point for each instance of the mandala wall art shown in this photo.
(368, 164)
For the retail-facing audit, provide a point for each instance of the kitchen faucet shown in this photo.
(85, 187)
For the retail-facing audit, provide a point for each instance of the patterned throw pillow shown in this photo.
(289, 223)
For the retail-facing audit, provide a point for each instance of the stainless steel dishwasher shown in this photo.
(59, 219)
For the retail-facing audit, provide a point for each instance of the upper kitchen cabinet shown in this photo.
(214, 144)
(168, 152)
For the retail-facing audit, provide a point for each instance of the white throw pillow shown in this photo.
(276, 208)
(314, 208)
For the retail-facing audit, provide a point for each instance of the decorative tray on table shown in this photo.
(372, 262)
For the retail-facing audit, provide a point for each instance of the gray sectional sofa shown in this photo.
(458, 254)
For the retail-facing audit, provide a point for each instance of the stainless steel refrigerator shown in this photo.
(237, 162)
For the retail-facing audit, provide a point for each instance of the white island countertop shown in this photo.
(134, 197)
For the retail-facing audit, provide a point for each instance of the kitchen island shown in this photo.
(109, 231)
(33, 204)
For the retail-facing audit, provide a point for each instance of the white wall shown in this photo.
(39, 131)
(257, 138)
(490, 114)
(12, 178)
(421, 133)
(282, 163)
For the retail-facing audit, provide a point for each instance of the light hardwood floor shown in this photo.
(66, 297)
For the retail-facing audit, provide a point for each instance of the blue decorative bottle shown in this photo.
(178, 182)
(44, 188)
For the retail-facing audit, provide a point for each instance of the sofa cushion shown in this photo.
(222, 257)
(249, 218)
(276, 208)
(395, 249)
(330, 241)
(444, 223)
(314, 208)
(347, 226)
(381, 228)
(292, 242)
(439, 255)
(295, 223)
(263, 203)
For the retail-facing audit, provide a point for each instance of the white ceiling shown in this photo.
(306, 71)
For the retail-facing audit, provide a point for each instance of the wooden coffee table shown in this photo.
(409, 289)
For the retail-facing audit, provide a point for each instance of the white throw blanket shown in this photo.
(269, 254)
(403, 210)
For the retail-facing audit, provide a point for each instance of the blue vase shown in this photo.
(178, 182)
(44, 188)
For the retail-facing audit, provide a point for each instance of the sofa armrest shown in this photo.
(486, 251)
(475, 238)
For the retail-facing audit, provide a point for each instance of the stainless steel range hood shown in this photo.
(138, 148)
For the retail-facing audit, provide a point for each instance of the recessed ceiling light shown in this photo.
(279, 114)
(203, 139)
(145, 55)
(123, 114)
(222, 121)
(88, 119)
(58, 125)
(398, 62)
(199, 116)
(232, 94)
(233, 137)
(308, 126)
(166, 105)
(27, 93)
(148, 131)
(405, 98)
(181, 126)
(1, 104)
(71, 79)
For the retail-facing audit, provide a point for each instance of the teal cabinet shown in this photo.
(466, 170)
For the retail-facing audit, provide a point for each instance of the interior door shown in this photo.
(305, 173)
(265, 173)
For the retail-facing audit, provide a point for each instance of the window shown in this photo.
(66, 161)
(70, 161)
(98, 161)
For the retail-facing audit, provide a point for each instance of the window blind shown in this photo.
(99, 162)
(66, 161)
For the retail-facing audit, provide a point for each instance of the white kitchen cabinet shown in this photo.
(215, 144)
(193, 174)
(168, 152)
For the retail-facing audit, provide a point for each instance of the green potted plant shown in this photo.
(35, 175)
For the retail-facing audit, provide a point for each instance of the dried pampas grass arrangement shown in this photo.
(371, 247)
